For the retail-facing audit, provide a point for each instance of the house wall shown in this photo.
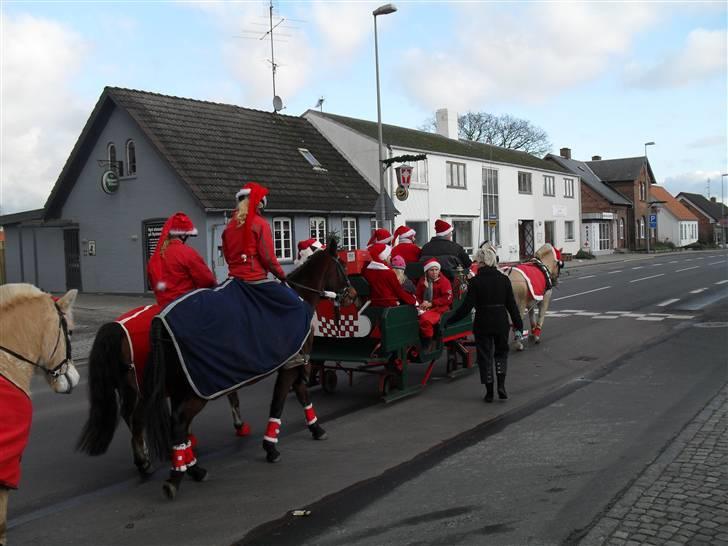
(592, 203)
(706, 226)
(12, 254)
(630, 189)
(669, 228)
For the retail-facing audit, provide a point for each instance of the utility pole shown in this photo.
(272, 53)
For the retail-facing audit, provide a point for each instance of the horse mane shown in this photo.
(15, 294)
(306, 267)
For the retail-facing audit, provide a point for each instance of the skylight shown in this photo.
(311, 159)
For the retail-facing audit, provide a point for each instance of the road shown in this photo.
(622, 368)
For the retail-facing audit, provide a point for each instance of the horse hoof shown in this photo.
(273, 457)
(197, 473)
(143, 467)
(243, 430)
(537, 340)
(318, 432)
(169, 490)
(519, 347)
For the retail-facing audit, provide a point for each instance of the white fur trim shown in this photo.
(304, 254)
(378, 265)
(269, 439)
(385, 240)
(444, 233)
(431, 265)
(242, 193)
(193, 232)
(161, 286)
(384, 254)
(317, 245)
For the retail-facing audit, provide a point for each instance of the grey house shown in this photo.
(143, 156)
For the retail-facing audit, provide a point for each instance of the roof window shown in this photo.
(311, 159)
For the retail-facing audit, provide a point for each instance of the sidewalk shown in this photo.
(682, 497)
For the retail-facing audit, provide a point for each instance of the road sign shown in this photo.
(653, 220)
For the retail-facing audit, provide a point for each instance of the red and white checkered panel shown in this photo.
(348, 326)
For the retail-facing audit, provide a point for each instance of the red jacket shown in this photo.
(263, 260)
(385, 290)
(441, 294)
(409, 251)
(183, 270)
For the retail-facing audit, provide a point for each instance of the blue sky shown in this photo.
(601, 78)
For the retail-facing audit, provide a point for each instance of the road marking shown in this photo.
(617, 312)
(581, 293)
(586, 314)
(552, 314)
(633, 315)
(613, 272)
(673, 262)
(587, 277)
(701, 258)
(681, 317)
(647, 278)
(638, 267)
(698, 291)
(713, 256)
(606, 317)
(687, 268)
(653, 319)
(722, 282)
(667, 302)
(718, 262)
(688, 260)
(570, 311)
(657, 265)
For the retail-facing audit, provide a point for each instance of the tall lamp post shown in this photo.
(386, 9)
(647, 191)
(723, 227)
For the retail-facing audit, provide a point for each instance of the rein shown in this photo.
(337, 297)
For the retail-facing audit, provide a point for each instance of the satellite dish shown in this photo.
(277, 103)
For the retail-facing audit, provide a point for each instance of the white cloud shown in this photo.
(702, 57)
(532, 53)
(41, 116)
(708, 142)
(697, 182)
(343, 28)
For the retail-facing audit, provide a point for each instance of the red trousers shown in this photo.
(428, 320)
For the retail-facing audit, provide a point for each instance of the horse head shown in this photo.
(550, 256)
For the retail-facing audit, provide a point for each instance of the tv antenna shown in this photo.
(320, 104)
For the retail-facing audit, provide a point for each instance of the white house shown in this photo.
(675, 223)
(487, 192)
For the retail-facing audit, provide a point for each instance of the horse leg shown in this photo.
(301, 390)
(241, 427)
(183, 456)
(3, 515)
(543, 307)
(133, 415)
(284, 382)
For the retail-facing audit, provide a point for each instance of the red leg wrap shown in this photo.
(192, 439)
(179, 457)
(190, 458)
(310, 414)
(537, 332)
(272, 430)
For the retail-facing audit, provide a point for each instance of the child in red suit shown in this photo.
(406, 246)
(385, 289)
(434, 292)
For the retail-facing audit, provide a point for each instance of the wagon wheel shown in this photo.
(329, 381)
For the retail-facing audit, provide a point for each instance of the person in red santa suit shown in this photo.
(306, 249)
(380, 236)
(175, 268)
(385, 289)
(406, 246)
(434, 292)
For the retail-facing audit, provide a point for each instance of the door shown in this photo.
(549, 232)
(525, 239)
(71, 250)
(151, 231)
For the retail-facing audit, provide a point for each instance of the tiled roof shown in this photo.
(20, 217)
(712, 208)
(435, 143)
(215, 148)
(590, 179)
(619, 170)
(677, 209)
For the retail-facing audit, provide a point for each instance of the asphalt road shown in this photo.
(589, 407)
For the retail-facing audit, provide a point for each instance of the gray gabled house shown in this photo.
(143, 156)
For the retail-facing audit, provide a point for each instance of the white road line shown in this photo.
(613, 272)
(633, 315)
(550, 314)
(722, 282)
(657, 265)
(698, 291)
(653, 319)
(638, 267)
(688, 260)
(687, 268)
(650, 277)
(701, 258)
(606, 317)
(718, 262)
(667, 302)
(681, 317)
(713, 256)
(587, 277)
(571, 311)
(586, 314)
(581, 293)
(617, 312)
(673, 262)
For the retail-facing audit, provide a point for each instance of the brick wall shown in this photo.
(592, 202)
(631, 190)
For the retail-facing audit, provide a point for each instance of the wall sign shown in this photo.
(92, 248)
(109, 182)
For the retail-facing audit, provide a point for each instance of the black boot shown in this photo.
(488, 392)
(502, 394)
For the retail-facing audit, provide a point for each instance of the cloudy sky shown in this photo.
(601, 78)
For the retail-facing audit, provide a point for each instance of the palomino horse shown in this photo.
(548, 261)
(35, 336)
(113, 389)
(321, 276)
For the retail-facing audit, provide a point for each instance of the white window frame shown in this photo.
(114, 162)
(642, 227)
(453, 168)
(454, 221)
(491, 205)
(283, 245)
(621, 229)
(308, 156)
(317, 228)
(549, 185)
(569, 188)
(527, 177)
(349, 234)
(568, 230)
(420, 173)
(605, 243)
(131, 168)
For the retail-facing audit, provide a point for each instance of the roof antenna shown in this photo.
(707, 183)
(320, 104)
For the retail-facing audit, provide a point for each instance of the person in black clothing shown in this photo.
(491, 294)
(445, 250)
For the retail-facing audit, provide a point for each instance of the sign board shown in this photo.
(109, 181)
(92, 248)
(653, 220)
(404, 176)
(559, 211)
(607, 216)
(492, 223)
(402, 193)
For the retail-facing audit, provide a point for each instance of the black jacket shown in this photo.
(448, 253)
(491, 293)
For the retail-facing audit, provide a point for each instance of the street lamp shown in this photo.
(648, 144)
(723, 228)
(647, 191)
(386, 9)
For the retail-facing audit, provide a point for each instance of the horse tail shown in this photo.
(105, 375)
(156, 408)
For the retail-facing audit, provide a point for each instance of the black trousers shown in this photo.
(492, 351)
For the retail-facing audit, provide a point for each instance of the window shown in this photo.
(641, 228)
(549, 233)
(311, 159)
(643, 191)
(317, 228)
(569, 230)
(621, 228)
(420, 227)
(524, 183)
(283, 238)
(549, 185)
(569, 187)
(463, 234)
(491, 213)
(111, 156)
(349, 236)
(605, 235)
(419, 172)
(130, 158)
(455, 173)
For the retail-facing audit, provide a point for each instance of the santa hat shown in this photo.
(307, 247)
(442, 228)
(177, 224)
(429, 264)
(398, 262)
(404, 233)
(380, 252)
(380, 236)
(180, 224)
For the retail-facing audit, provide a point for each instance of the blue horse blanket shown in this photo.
(236, 333)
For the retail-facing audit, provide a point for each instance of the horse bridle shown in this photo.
(336, 296)
(61, 368)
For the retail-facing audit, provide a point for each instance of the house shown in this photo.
(604, 211)
(514, 199)
(143, 156)
(712, 217)
(675, 223)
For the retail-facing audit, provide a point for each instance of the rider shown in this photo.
(406, 246)
(175, 268)
(385, 289)
(448, 252)
(434, 292)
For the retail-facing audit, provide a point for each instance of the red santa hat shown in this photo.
(180, 224)
(442, 228)
(431, 263)
(380, 236)
(404, 233)
(380, 252)
(307, 247)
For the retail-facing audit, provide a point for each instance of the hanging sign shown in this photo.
(404, 176)
(109, 182)
(402, 193)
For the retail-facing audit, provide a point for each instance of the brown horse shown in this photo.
(321, 276)
(549, 261)
(35, 336)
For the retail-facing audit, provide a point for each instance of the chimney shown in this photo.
(565, 153)
(713, 199)
(596, 158)
(447, 123)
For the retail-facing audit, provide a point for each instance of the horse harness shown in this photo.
(336, 296)
(62, 367)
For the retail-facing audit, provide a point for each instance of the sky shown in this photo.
(601, 78)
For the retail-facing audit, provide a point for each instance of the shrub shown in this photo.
(582, 255)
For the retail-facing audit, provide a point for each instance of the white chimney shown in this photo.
(447, 123)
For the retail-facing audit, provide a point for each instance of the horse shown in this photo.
(322, 275)
(548, 261)
(35, 336)
(114, 380)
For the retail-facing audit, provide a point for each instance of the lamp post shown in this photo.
(648, 144)
(386, 9)
(722, 211)
(647, 191)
